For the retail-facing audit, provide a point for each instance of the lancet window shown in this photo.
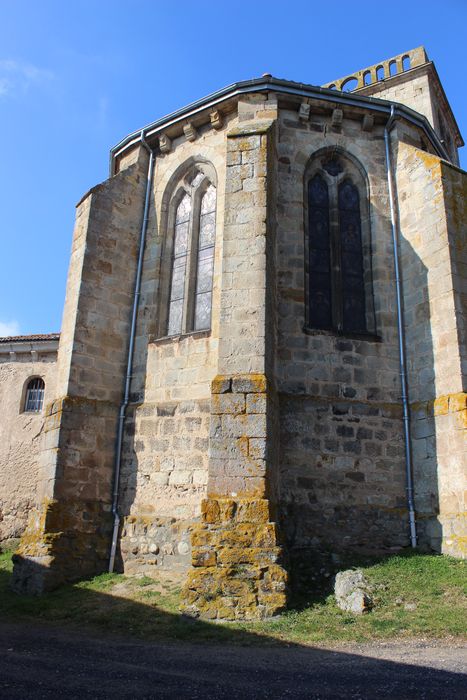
(193, 224)
(338, 267)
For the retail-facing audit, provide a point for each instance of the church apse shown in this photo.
(264, 418)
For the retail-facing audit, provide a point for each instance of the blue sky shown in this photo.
(77, 76)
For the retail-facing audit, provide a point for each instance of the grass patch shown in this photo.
(416, 595)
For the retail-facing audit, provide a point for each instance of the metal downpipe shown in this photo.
(131, 347)
(401, 334)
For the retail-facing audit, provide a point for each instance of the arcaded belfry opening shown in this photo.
(263, 420)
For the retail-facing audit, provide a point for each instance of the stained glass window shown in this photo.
(320, 311)
(353, 287)
(336, 280)
(205, 267)
(179, 265)
(190, 297)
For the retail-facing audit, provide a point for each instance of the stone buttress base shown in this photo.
(64, 541)
(236, 571)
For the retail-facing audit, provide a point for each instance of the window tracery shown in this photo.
(192, 227)
(339, 292)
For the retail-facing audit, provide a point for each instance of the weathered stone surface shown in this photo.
(150, 544)
(65, 540)
(352, 592)
(236, 572)
(21, 436)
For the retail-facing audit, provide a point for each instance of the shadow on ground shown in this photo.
(52, 660)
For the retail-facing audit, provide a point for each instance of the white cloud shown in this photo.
(9, 328)
(19, 76)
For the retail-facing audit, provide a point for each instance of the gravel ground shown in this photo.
(45, 662)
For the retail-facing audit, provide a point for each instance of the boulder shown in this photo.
(352, 592)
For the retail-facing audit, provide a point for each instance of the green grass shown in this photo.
(116, 604)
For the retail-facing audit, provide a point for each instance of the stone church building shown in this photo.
(263, 348)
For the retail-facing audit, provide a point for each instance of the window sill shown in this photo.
(368, 336)
(177, 338)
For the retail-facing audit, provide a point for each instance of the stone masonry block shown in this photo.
(238, 467)
(253, 425)
(228, 403)
(228, 448)
(221, 385)
(249, 383)
(180, 478)
(257, 448)
(252, 510)
(256, 403)
(246, 143)
(254, 487)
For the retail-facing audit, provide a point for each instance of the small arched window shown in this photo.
(339, 289)
(192, 231)
(34, 397)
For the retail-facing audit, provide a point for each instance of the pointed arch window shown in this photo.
(192, 259)
(339, 289)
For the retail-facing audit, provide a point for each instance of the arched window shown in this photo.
(34, 397)
(405, 63)
(191, 236)
(380, 73)
(339, 289)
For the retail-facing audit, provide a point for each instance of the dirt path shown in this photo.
(43, 662)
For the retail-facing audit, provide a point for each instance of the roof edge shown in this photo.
(269, 83)
(34, 338)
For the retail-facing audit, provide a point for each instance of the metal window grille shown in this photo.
(34, 395)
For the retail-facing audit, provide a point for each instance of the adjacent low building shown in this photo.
(27, 383)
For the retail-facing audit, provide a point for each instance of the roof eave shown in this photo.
(283, 87)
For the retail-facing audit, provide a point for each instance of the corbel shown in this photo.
(336, 119)
(165, 144)
(190, 132)
(368, 122)
(216, 119)
(304, 112)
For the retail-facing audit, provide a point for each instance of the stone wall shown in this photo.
(410, 79)
(21, 432)
(148, 542)
(238, 568)
(342, 457)
(423, 93)
(68, 537)
(432, 197)
(165, 457)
